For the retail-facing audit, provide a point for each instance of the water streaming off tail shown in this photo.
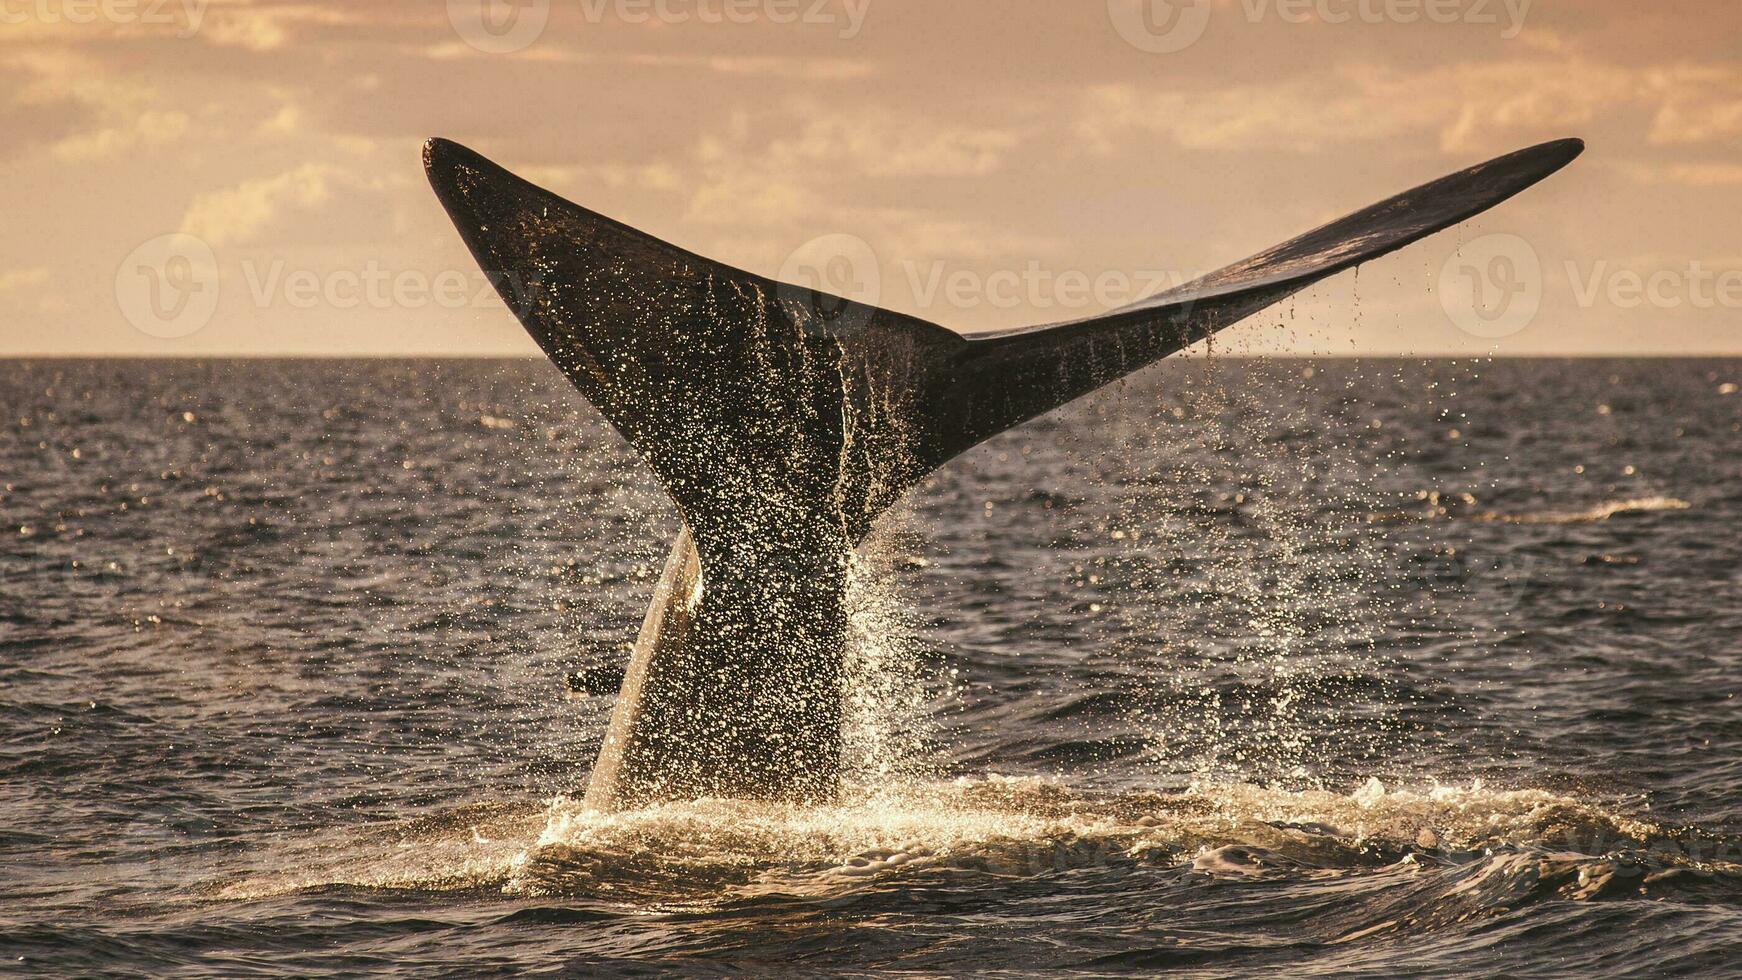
(1223, 542)
(890, 684)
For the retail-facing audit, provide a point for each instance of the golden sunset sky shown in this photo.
(1000, 163)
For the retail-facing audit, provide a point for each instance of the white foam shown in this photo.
(998, 825)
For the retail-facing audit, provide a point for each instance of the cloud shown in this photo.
(240, 213)
(750, 66)
(1468, 107)
(803, 69)
(1699, 105)
(763, 184)
(268, 28)
(149, 128)
(769, 177)
(286, 122)
(21, 278)
(658, 176)
(887, 145)
(255, 26)
(116, 115)
(1303, 118)
(40, 121)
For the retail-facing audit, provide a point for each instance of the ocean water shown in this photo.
(1303, 667)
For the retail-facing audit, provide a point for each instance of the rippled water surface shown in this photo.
(1294, 667)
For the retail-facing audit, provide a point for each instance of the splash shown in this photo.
(1487, 842)
(888, 728)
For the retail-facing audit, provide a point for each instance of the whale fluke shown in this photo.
(782, 421)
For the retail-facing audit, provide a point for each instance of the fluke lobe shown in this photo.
(782, 421)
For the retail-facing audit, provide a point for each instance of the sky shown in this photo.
(219, 177)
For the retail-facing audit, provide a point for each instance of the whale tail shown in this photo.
(782, 421)
(736, 387)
